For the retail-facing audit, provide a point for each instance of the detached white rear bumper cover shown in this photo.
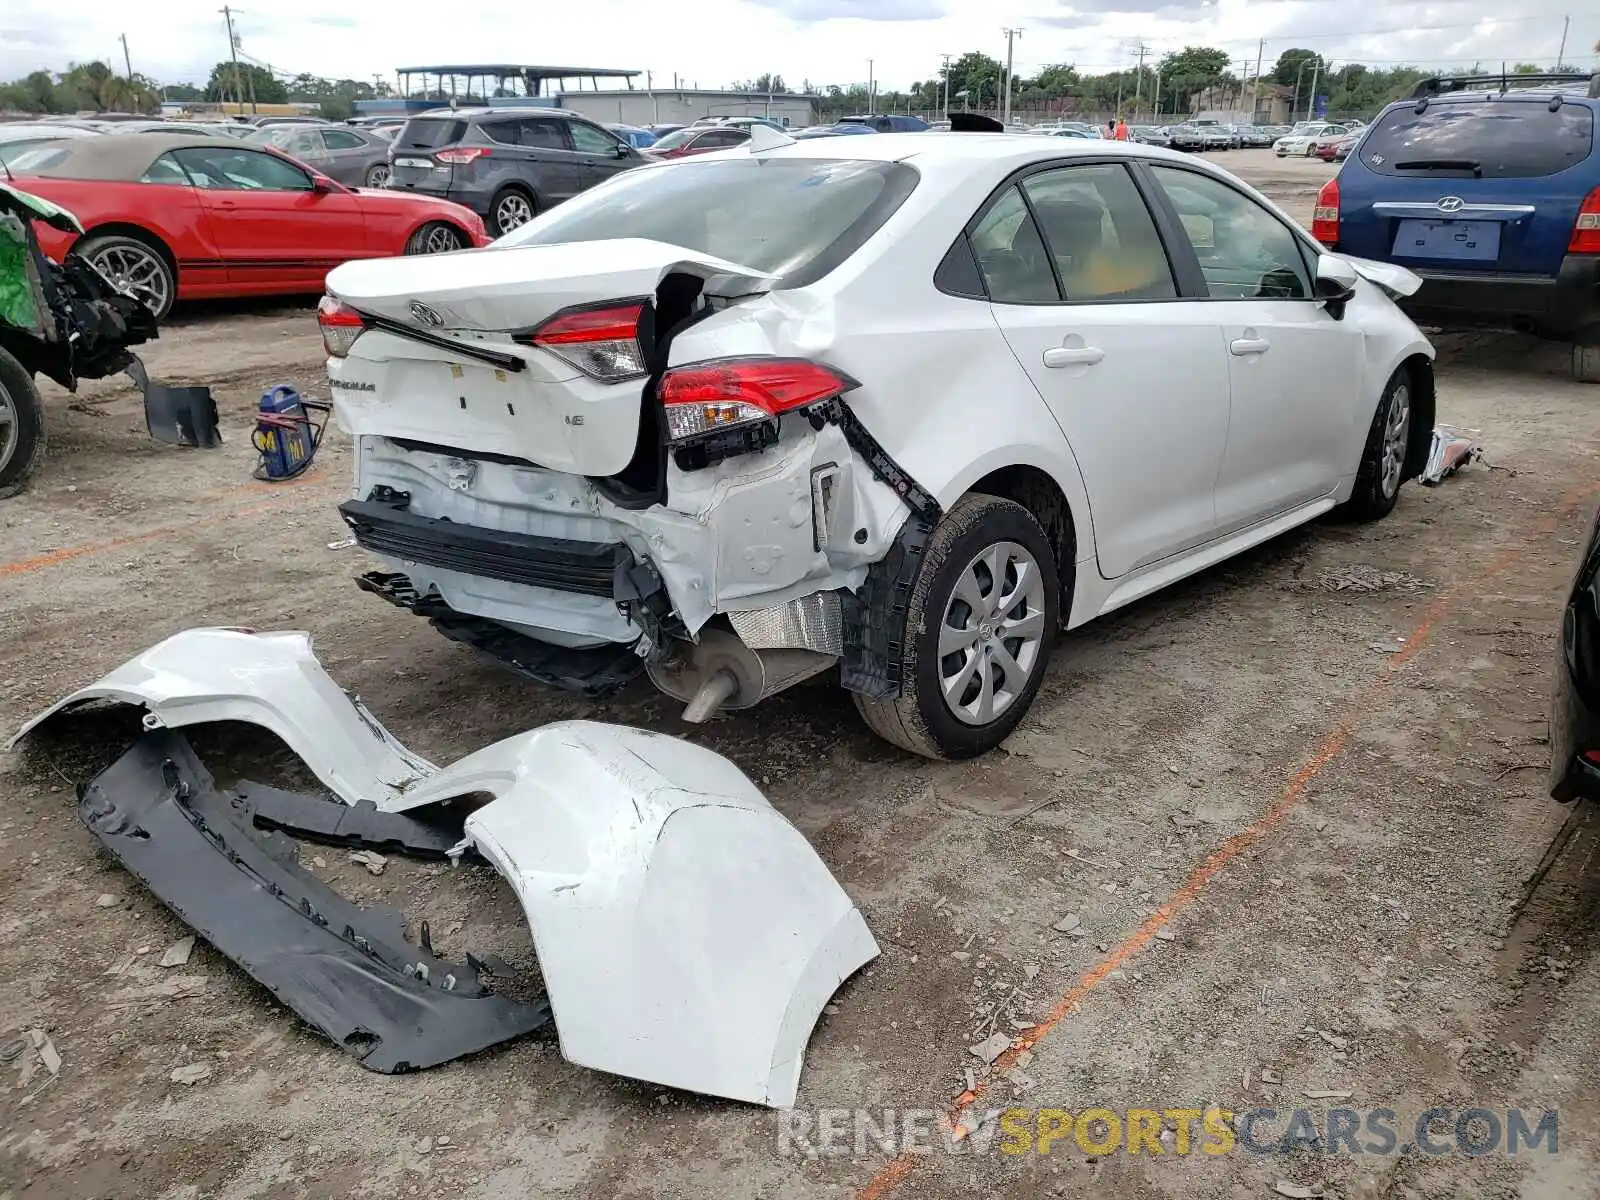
(688, 934)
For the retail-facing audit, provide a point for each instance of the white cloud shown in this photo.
(824, 41)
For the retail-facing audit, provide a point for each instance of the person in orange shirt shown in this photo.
(1122, 130)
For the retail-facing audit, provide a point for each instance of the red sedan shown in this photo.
(187, 218)
(698, 140)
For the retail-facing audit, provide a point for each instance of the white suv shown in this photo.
(899, 407)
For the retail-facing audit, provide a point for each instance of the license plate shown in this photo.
(420, 164)
(1461, 241)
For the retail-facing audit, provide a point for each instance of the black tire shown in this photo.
(921, 720)
(430, 239)
(377, 175)
(22, 436)
(1373, 499)
(97, 247)
(1585, 364)
(509, 196)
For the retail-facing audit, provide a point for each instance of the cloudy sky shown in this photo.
(823, 41)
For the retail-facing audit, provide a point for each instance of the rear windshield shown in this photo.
(429, 133)
(796, 218)
(1490, 139)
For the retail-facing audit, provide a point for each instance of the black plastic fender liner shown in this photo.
(348, 972)
(360, 825)
(875, 614)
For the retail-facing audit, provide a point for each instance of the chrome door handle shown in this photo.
(1062, 356)
(1244, 347)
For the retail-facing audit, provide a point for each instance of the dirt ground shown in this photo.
(1296, 803)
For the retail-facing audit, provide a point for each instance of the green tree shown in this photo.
(246, 80)
(183, 92)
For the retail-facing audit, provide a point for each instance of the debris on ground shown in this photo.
(1327, 1094)
(107, 900)
(1268, 1075)
(1296, 1191)
(1393, 647)
(1068, 923)
(1359, 578)
(1185, 821)
(991, 1048)
(191, 1074)
(46, 1050)
(177, 954)
(1451, 451)
(1165, 935)
(370, 859)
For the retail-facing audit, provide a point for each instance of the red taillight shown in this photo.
(704, 397)
(602, 341)
(1586, 229)
(461, 155)
(341, 326)
(1325, 217)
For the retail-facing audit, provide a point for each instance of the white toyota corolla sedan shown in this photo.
(898, 407)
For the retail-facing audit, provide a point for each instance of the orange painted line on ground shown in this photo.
(890, 1176)
(51, 558)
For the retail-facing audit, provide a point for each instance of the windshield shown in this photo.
(673, 140)
(1491, 139)
(795, 218)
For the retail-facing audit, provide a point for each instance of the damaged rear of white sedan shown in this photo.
(900, 410)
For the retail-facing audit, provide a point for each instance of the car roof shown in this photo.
(934, 149)
(126, 156)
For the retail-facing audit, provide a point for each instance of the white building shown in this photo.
(680, 106)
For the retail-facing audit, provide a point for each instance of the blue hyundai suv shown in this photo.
(1488, 187)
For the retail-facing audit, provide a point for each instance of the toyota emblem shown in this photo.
(428, 316)
(1449, 204)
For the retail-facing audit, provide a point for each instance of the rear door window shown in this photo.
(1490, 139)
(1100, 234)
(429, 133)
(545, 133)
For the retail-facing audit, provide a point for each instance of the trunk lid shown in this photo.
(440, 363)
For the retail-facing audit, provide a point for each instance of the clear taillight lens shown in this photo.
(602, 341)
(341, 325)
(1586, 229)
(703, 398)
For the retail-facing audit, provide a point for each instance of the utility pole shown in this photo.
(1311, 101)
(1156, 116)
(1299, 74)
(1255, 84)
(872, 85)
(1138, 79)
(127, 63)
(1562, 53)
(233, 53)
(1011, 37)
(945, 110)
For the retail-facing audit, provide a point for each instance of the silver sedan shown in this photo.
(346, 154)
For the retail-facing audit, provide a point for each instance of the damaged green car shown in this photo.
(66, 322)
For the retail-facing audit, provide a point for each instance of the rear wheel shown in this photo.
(979, 630)
(511, 207)
(1383, 459)
(1311, 150)
(135, 265)
(21, 426)
(378, 175)
(436, 237)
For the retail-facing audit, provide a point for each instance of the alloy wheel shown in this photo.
(992, 633)
(138, 270)
(10, 427)
(441, 239)
(378, 176)
(512, 210)
(1396, 429)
